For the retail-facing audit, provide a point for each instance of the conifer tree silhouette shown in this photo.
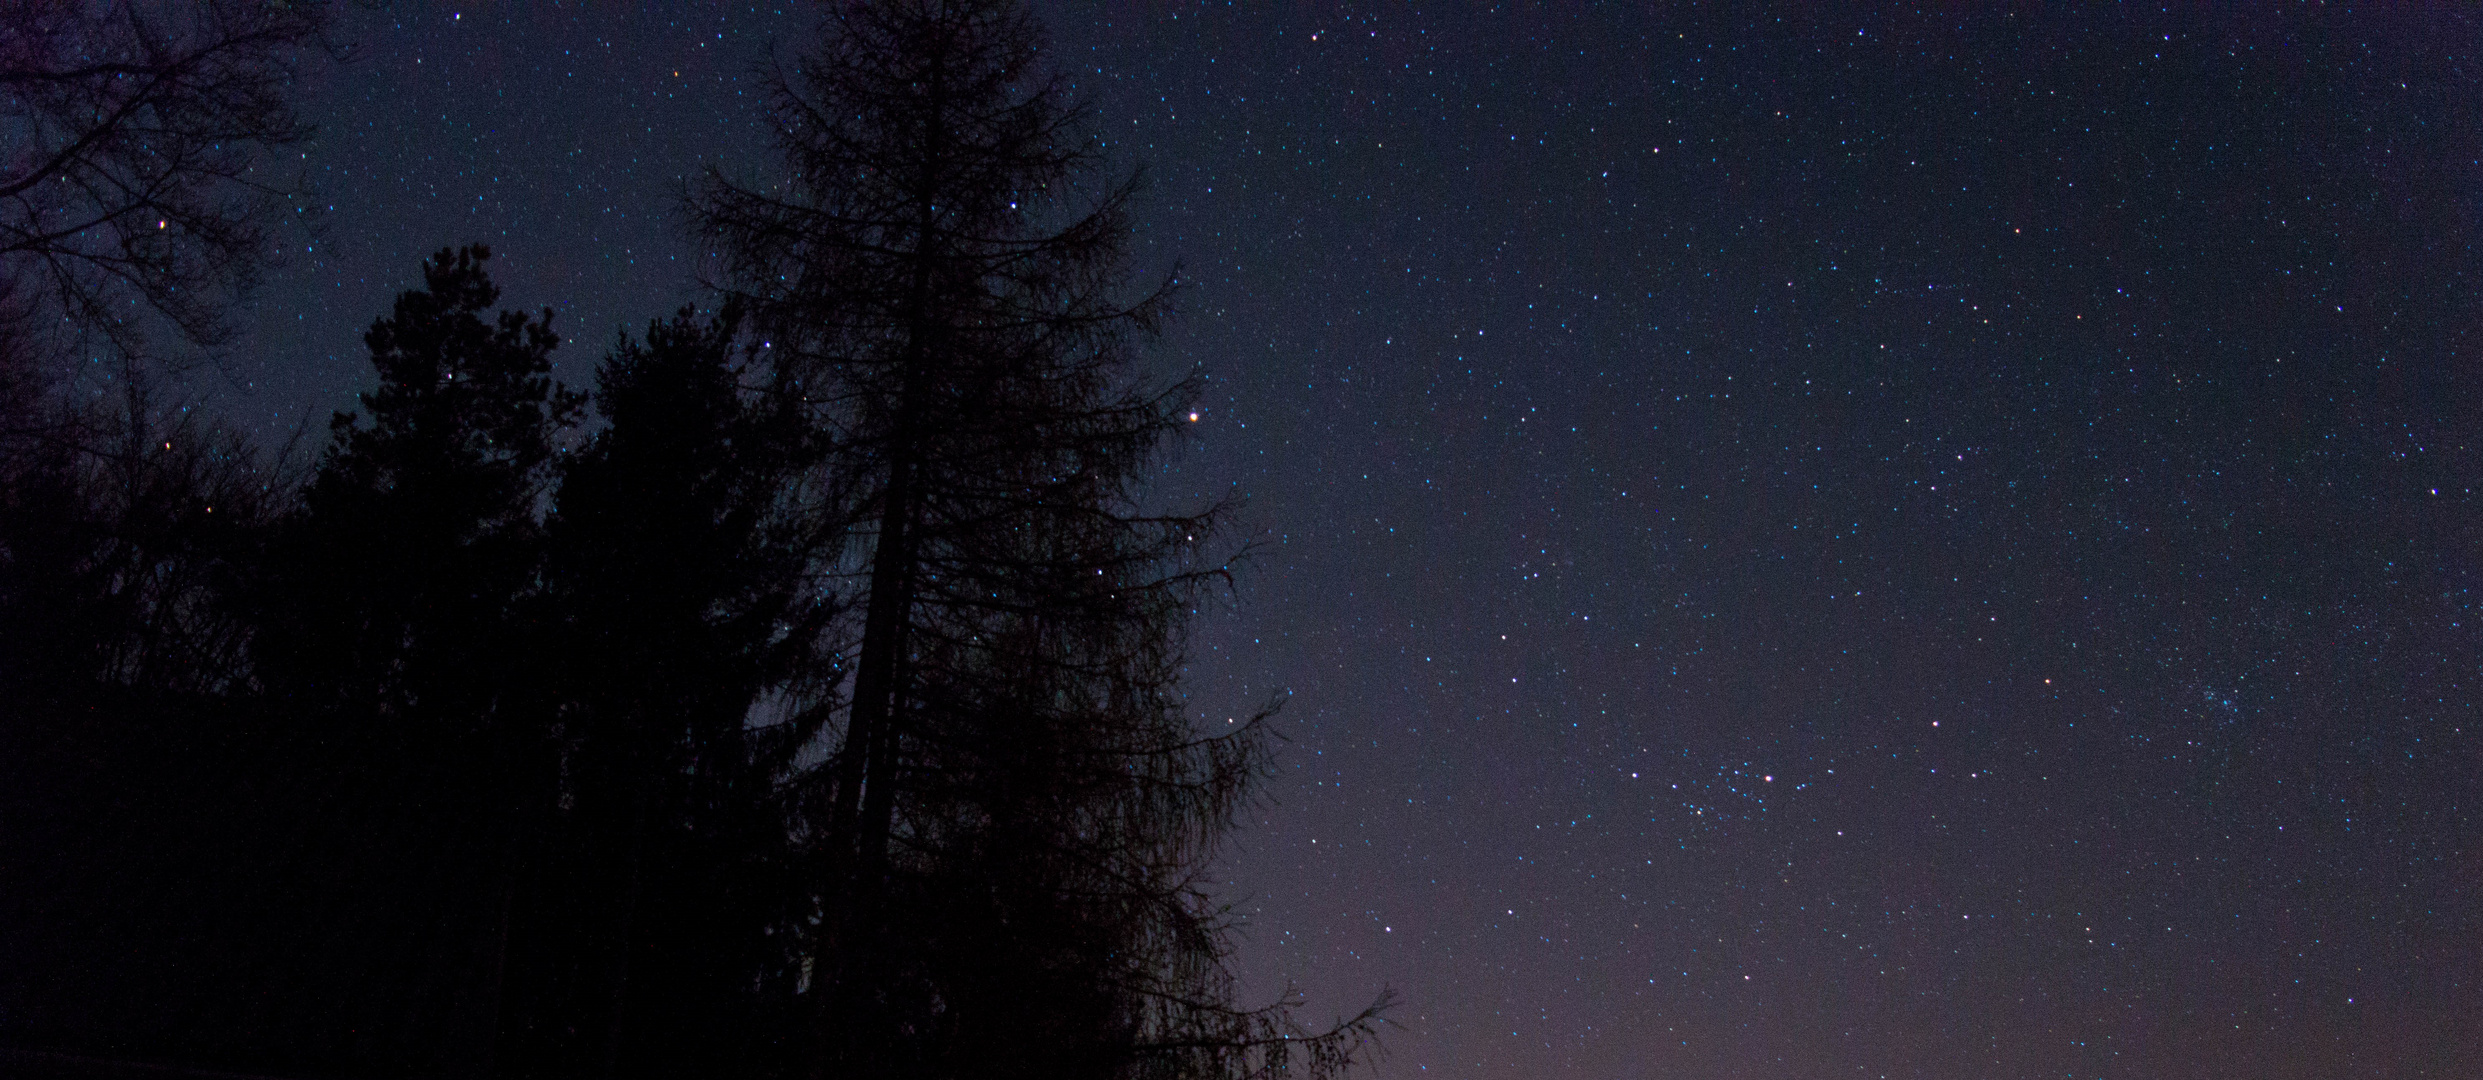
(674, 584)
(1017, 807)
(398, 615)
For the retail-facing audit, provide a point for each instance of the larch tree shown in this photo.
(1015, 807)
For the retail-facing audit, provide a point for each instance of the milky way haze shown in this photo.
(1908, 547)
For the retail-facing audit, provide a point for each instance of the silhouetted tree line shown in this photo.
(805, 702)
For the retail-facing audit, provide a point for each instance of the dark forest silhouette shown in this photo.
(803, 702)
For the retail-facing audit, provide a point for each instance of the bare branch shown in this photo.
(132, 179)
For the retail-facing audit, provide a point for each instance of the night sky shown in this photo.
(1863, 546)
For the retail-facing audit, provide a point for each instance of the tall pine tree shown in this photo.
(1016, 808)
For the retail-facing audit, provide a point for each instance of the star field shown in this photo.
(1874, 546)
